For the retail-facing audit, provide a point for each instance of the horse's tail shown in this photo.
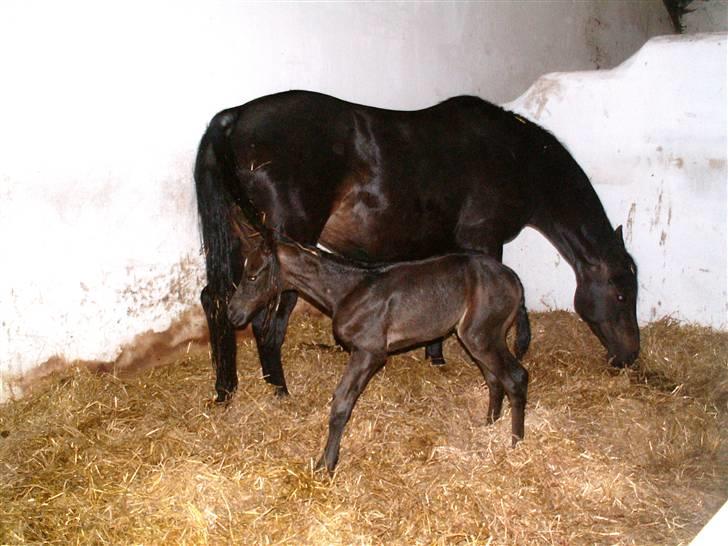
(214, 175)
(220, 199)
(523, 328)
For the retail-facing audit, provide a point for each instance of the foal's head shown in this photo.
(260, 283)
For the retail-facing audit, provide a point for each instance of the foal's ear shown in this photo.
(244, 232)
(618, 233)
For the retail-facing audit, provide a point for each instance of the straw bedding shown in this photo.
(610, 457)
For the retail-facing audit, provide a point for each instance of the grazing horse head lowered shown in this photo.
(377, 310)
(606, 299)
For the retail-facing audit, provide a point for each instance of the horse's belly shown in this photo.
(368, 226)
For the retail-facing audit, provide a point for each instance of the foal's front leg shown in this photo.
(269, 342)
(361, 368)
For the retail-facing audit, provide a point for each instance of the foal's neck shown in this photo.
(322, 279)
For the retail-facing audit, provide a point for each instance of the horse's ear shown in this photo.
(618, 233)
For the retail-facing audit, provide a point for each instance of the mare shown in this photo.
(377, 310)
(385, 185)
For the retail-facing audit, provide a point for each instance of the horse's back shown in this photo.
(379, 184)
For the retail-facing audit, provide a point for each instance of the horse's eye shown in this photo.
(620, 297)
(252, 278)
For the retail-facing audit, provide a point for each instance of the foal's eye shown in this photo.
(620, 297)
(252, 278)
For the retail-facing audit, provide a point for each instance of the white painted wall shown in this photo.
(102, 105)
(651, 134)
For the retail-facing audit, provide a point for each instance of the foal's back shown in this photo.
(410, 303)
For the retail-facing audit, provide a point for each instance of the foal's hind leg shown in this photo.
(494, 359)
(270, 342)
(495, 395)
(361, 368)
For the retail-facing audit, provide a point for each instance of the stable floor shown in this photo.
(610, 457)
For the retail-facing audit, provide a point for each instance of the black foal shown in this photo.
(382, 309)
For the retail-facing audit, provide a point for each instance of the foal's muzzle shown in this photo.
(237, 315)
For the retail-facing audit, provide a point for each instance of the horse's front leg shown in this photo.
(433, 352)
(269, 342)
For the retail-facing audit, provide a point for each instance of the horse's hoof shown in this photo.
(490, 420)
(437, 361)
(281, 392)
(223, 397)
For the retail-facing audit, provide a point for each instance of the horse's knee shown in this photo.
(212, 304)
(206, 298)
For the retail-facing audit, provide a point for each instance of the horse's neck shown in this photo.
(575, 222)
(323, 280)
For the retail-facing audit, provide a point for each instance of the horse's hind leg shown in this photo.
(222, 343)
(269, 342)
(433, 352)
(361, 368)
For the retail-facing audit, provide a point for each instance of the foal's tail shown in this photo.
(523, 328)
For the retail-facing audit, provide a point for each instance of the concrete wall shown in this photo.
(706, 16)
(651, 134)
(102, 106)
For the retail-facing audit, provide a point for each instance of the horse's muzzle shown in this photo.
(625, 361)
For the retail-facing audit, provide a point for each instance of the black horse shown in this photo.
(385, 185)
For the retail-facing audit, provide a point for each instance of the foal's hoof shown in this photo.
(321, 467)
(437, 361)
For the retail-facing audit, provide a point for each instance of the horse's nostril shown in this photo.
(624, 361)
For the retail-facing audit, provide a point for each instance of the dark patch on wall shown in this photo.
(146, 350)
(677, 9)
(180, 284)
(595, 29)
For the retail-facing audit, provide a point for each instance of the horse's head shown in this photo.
(606, 298)
(260, 280)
